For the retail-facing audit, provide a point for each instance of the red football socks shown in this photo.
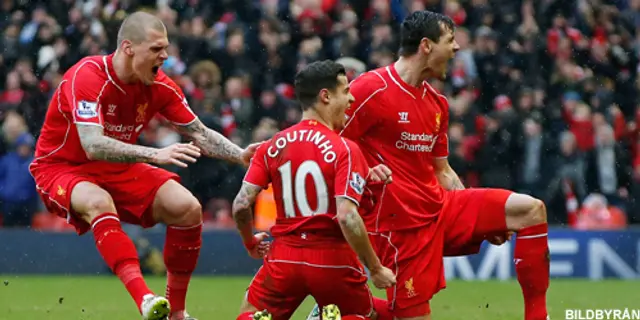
(181, 252)
(355, 318)
(382, 308)
(119, 252)
(532, 267)
(246, 316)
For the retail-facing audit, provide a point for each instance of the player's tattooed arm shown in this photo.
(97, 146)
(447, 177)
(212, 143)
(355, 233)
(242, 210)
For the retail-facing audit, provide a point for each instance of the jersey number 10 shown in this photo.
(297, 185)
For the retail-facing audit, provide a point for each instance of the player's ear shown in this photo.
(127, 47)
(324, 95)
(426, 45)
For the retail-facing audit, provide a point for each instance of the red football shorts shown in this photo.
(132, 187)
(468, 217)
(330, 272)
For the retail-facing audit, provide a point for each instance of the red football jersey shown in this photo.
(309, 166)
(405, 128)
(91, 94)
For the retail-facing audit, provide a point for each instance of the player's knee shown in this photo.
(186, 211)
(89, 201)
(525, 211)
(98, 204)
(537, 212)
(193, 212)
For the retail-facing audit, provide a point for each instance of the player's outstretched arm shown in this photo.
(355, 233)
(446, 176)
(100, 147)
(243, 216)
(97, 146)
(242, 209)
(214, 144)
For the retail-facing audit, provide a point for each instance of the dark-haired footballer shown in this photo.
(398, 119)
(318, 180)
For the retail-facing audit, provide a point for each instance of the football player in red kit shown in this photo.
(88, 169)
(318, 180)
(400, 120)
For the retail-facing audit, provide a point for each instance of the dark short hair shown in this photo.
(419, 25)
(313, 78)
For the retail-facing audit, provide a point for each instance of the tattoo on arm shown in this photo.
(447, 177)
(212, 143)
(352, 223)
(450, 181)
(242, 213)
(355, 232)
(100, 147)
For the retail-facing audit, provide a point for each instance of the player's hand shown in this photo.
(248, 153)
(383, 278)
(178, 154)
(499, 240)
(379, 173)
(262, 246)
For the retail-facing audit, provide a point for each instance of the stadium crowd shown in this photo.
(543, 93)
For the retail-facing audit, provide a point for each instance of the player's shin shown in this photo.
(181, 252)
(119, 252)
(531, 258)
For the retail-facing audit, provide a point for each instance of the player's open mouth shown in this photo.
(155, 70)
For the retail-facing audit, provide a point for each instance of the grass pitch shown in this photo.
(218, 298)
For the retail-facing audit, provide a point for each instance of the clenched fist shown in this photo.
(383, 278)
(379, 173)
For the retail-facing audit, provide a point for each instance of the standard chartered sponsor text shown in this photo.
(119, 131)
(425, 142)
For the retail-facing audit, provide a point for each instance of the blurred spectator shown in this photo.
(533, 167)
(608, 168)
(597, 214)
(17, 187)
(237, 108)
(204, 86)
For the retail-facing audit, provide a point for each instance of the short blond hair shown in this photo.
(135, 27)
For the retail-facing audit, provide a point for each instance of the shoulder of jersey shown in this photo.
(88, 65)
(165, 81)
(374, 80)
(263, 147)
(350, 144)
(436, 93)
(281, 133)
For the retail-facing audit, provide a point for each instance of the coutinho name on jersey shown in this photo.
(303, 135)
(416, 142)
